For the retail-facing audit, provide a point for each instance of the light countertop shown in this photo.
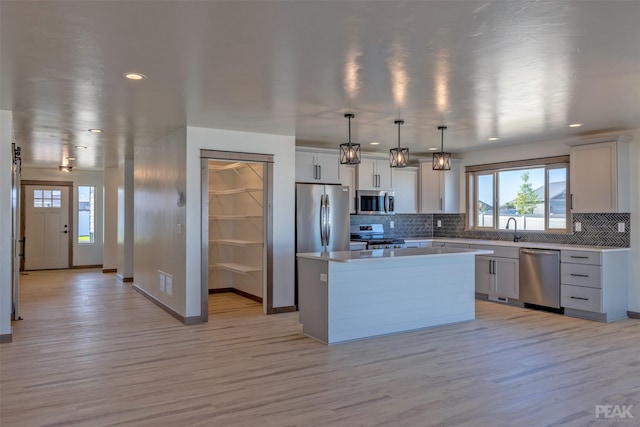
(388, 254)
(532, 245)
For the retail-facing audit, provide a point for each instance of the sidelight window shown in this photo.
(86, 214)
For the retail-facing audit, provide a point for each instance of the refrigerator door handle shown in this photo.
(386, 203)
(327, 226)
(322, 219)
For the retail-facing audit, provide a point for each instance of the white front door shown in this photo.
(47, 227)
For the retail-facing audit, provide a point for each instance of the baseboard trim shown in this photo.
(235, 291)
(109, 270)
(75, 267)
(6, 338)
(285, 309)
(193, 320)
(124, 279)
(633, 314)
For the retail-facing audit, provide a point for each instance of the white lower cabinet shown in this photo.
(498, 276)
(593, 285)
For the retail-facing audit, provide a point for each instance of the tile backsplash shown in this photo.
(598, 229)
(405, 225)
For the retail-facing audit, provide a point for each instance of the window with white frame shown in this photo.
(533, 192)
(86, 214)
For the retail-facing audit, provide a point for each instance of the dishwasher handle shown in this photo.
(539, 251)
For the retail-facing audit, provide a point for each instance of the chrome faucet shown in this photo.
(515, 228)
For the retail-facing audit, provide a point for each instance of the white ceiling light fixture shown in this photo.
(433, 149)
(349, 152)
(576, 125)
(399, 157)
(80, 147)
(135, 76)
(441, 160)
(95, 130)
(374, 143)
(493, 138)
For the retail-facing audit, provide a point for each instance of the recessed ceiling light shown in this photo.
(71, 158)
(433, 149)
(95, 130)
(576, 125)
(375, 143)
(135, 76)
(493, 138)
(80, 147)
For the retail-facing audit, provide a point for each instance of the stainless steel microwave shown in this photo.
(375, 202)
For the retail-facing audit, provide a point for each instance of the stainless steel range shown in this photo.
(373, 235)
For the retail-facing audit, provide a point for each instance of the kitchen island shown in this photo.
(344, 296)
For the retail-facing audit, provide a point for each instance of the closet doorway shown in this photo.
(237, 227)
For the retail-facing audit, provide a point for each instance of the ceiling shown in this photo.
(521, 71)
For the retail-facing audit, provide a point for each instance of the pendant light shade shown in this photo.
(349, 152)
(399, 157)
(442, 160)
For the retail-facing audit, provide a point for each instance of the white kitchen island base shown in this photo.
(346, 296)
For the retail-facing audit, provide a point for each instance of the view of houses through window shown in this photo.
(535, 196)
(86, 214)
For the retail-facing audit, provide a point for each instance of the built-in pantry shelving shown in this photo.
(236, 227)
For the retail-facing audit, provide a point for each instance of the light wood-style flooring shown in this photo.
(93, 352)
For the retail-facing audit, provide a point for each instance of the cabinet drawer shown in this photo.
(580, 257)
(581, 298)
(581, 275)
(500, 251)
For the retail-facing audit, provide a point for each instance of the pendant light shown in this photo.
(442, 160)
(349, 152)
(399, 157)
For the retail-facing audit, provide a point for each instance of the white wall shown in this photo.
(283, 149)
(110, 245)
(634, 257)
(558, 148)
(125, 222)
(83, 254)
(158, 244)
(6, 257)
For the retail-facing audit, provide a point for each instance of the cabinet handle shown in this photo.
(319, 172)
(440, 203)
(571, 201)
(579, 257)
(580, 298)
(579, 275)
(490, 267)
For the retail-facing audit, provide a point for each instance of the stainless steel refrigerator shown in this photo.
(322, 218)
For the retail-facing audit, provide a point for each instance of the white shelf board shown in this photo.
(234, 216)
(235, 191)
(237, 268)
(230, 166)
(236, 242)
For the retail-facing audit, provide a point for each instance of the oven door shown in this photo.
(371, 202)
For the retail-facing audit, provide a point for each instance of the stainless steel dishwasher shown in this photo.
(540, 277)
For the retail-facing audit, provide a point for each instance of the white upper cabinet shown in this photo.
(374, 174)
(317, 166)
(406, 189)
(600, 176)
(348, 178)
(439, 190)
